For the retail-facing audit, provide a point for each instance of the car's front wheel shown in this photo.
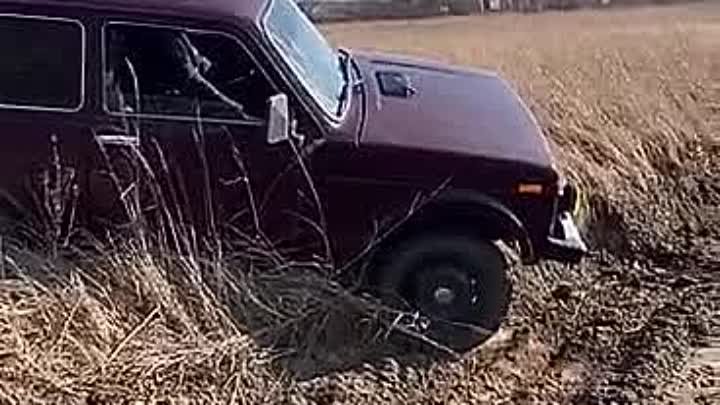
(459, 282)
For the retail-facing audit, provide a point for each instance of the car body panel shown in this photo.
(454, 111)
(206, 9)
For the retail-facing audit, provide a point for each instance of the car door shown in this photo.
(43, 120)
(203, 137)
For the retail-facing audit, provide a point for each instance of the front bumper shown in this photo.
(565, 244)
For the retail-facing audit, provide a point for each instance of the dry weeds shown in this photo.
(630, 100)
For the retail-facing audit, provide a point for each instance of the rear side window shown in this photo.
(41, 63)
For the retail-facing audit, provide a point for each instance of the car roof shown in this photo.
(251, 9)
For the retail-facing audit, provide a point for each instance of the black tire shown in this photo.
(462, 7)
(10, 220)
(423, 269)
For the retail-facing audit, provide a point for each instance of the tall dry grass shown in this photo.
(630, 100)
(139, 319)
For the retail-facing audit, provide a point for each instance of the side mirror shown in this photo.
(278, 127)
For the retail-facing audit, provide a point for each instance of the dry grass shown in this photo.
(631, 103)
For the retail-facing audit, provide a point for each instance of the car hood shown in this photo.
(426, 106)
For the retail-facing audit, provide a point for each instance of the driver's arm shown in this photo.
(195, 64)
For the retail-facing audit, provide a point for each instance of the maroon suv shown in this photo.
(249, 122)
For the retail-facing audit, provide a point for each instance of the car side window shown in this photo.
(41, 63)
(173, 72)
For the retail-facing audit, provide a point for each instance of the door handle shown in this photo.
(115, 136)
(118, 139)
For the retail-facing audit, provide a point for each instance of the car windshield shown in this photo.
(317, 65)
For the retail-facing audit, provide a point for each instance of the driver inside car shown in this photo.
(167, 71)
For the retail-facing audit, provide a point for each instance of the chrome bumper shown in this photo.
(565, 244)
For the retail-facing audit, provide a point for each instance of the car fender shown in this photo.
(483, 207)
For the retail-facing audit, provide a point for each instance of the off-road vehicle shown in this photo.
(256, 125)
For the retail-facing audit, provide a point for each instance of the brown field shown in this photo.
(631, 101)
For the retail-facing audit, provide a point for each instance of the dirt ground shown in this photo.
(631, 102)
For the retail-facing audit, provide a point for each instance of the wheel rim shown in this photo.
(445, 292)
(444, 295)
